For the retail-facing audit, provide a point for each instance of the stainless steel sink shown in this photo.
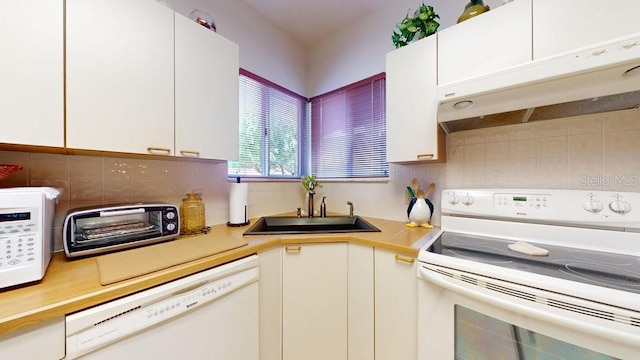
(270, 225)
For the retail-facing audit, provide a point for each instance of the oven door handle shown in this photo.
(447, 283)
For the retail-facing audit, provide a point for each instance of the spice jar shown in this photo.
(192, 219)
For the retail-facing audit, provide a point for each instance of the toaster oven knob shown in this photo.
(171, 226)
(171, 215)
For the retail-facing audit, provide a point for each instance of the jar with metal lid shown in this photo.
(192, 219)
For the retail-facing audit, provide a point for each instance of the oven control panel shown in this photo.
(610, 208)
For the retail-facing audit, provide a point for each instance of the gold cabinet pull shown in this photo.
(190, 153)
(421, 156)
(152, 149)
(292, 249)
(405, 259)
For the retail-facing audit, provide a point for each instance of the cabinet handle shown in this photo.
(292, 249)
(152, 149)
(405, 259)
(190, 153)
(420, 156)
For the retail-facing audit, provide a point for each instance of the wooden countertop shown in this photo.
(73, 285)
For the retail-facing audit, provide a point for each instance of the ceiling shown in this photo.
(310, 20)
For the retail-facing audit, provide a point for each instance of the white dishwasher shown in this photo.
(212, 314)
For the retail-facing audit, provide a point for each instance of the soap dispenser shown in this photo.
(323, 208)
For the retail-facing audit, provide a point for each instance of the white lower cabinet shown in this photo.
(314, 301)
(43, 341)
(271, 304)
(396, 306)
(339, 301)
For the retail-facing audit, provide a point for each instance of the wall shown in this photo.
(264, 48)
(91, 181)
(357, 52)
(594, 152)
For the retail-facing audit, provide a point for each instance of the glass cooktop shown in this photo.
(615, 271)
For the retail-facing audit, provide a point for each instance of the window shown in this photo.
(348, 131)
(272, 123)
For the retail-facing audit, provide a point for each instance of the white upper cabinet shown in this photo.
(31, 72)
(206, 98)
(489, 42)
(413, 133)
(120, 76)
(560, 26)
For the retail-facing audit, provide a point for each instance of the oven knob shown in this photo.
(453, 199)
(467, 200)
(592, 205)
(171, 226)
(171, 215)
(619, 206)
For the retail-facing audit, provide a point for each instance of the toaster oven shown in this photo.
(97, 230)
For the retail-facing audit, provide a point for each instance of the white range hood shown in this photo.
(600, 78)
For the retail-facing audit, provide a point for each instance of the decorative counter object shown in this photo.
(422, 24)
(473, 8)
(192, 219)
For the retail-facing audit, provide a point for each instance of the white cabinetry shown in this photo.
(314, 295)
(396, 309)
(560, 26)
(119, 63)
(45, 341)
(492, 41)
(271, 304)
(361, 306)
(413, 133)
(31, 72)
(206, 98)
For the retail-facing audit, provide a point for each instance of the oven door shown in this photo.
(463, 315)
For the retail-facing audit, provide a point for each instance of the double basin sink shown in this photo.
(271, 225)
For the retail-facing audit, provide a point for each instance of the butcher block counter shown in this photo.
(73, 285)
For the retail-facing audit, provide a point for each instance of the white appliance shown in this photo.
(26, 233)
(597, 78)
(530, 274)
(209, 315)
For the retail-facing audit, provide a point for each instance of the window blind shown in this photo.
(348, 131)
(271, 129)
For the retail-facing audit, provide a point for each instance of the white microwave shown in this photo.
(26, 233)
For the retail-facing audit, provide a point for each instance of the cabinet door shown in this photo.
(119, 90)
(45, 340)
(314, 296)
(560, 26)
(396, 299)
(31, 72)
(361, 305)
(271, 304)
(206, 99)
(492, 41)
(413, 133)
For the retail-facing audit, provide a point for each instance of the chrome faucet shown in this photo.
(350, 208)
(312, 192)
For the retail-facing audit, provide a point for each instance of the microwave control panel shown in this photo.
(19, 234)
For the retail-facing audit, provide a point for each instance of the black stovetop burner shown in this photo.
(615, 271)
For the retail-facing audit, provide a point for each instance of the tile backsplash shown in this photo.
(599, 152)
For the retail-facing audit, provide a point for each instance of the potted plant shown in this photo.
(422, 24)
